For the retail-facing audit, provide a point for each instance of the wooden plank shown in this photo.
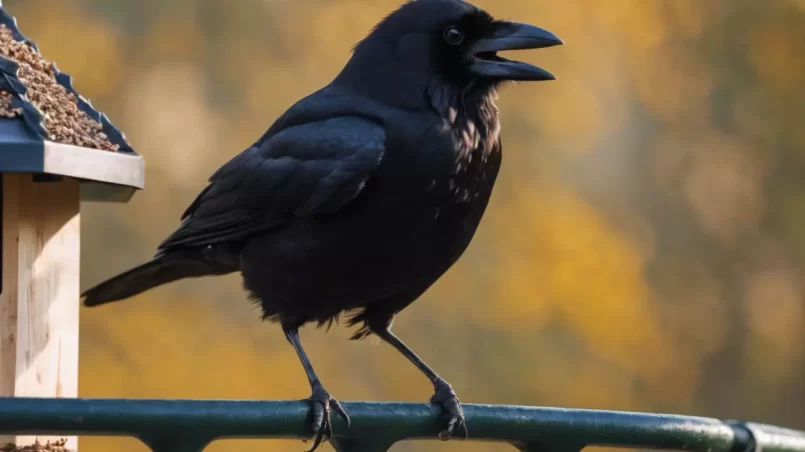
(93, 164)
(47, 289)
(8, 297)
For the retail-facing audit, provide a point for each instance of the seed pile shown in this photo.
(63, 120)
(6, 111)
(56, 446)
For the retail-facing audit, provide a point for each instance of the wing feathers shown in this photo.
(308, 169)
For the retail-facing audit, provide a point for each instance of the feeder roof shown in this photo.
(46, 126)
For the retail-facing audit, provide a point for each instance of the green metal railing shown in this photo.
(190, 425)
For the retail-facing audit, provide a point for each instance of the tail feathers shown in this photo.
(161, 270)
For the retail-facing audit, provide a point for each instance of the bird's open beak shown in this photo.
(511, 36)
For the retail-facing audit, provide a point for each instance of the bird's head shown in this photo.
(451, 40)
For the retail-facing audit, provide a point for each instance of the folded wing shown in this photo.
(307, 169)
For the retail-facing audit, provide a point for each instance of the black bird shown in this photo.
(361, 195)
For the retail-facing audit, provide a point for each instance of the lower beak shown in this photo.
(511, 36)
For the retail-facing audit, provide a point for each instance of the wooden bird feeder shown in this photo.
(55, 151)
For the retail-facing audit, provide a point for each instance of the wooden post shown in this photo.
(39, 302)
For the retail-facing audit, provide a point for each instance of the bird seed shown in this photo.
(64, 121)
(56, 446)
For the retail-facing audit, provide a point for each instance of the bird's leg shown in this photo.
(322, 400)
(443, 396)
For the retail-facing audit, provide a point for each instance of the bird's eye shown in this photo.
(453, 36)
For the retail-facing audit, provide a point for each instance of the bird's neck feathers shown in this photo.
(471, 113)
(472, 103)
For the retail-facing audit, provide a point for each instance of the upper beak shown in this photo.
(511, 36)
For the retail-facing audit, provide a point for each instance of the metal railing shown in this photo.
(190, 425)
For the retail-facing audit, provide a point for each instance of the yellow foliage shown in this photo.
(83, 45)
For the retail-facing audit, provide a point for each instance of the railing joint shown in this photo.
(756, 437)
(744, 438)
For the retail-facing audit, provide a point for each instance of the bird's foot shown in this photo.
(323, 403)
(446, 398)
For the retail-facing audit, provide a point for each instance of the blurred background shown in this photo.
(644, 248)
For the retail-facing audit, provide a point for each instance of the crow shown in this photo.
(362, 194)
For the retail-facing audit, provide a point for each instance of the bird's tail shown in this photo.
(160, 270)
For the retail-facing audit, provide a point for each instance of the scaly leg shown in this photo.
(443, 396)
(322, 400)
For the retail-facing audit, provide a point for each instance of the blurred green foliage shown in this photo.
(643, 249)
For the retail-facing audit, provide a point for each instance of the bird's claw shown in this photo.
(451, 410)
(323, 403)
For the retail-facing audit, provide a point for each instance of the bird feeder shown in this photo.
(55, 151)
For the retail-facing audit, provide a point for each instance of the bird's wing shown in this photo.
(305, 169)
